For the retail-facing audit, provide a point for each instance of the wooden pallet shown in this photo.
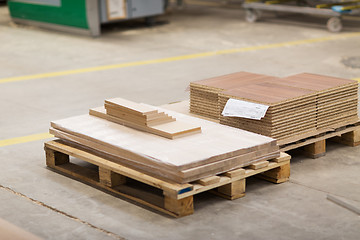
(167, 197)
(315, 146)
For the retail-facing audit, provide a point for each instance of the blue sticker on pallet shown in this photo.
(188, 189)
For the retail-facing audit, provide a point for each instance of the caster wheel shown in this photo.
(334, 24)
(252, 15)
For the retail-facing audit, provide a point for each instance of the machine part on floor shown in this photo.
(332, 10)
(82, 16)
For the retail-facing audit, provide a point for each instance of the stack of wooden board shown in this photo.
(337, 98)
(144, 117)
(291, 110)
(298, 104)
(136, 112)
(204, 94)
(217, 149)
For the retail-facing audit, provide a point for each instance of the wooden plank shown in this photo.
(283, 157)
(209, 180)
(158, 118)
(130, 106)
(171, 130)
(235, 173)
(259, 165)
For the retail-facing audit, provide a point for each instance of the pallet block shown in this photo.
(316, 149)
(277, 175)
(351, 138)
(167, 197)
(232, 190)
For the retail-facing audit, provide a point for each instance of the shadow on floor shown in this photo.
(137, 24)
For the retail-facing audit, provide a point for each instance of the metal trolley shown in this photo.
(334, 10)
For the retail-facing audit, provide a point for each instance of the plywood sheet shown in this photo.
(169, 174)
(215, 143)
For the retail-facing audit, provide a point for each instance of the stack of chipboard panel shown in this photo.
(204, 94)
(337, 98)
(215, 150)
(291, 110)
(299, 105)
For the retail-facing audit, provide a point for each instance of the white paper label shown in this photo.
(239, 108)
(116, 9)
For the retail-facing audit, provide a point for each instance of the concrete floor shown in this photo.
(55, 207)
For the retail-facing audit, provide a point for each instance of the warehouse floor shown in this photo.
(155, 65)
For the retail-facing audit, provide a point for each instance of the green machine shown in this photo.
(82, 16)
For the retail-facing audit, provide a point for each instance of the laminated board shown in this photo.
(217, 149)
(298, 104)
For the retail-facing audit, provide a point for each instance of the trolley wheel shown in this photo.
(252, 15)
(334, 24)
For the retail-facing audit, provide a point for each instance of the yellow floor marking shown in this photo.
(181, 58)
(25, 139)
(357, 79)
(210, 4)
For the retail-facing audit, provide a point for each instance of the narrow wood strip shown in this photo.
(209, 180)
(259, 165)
